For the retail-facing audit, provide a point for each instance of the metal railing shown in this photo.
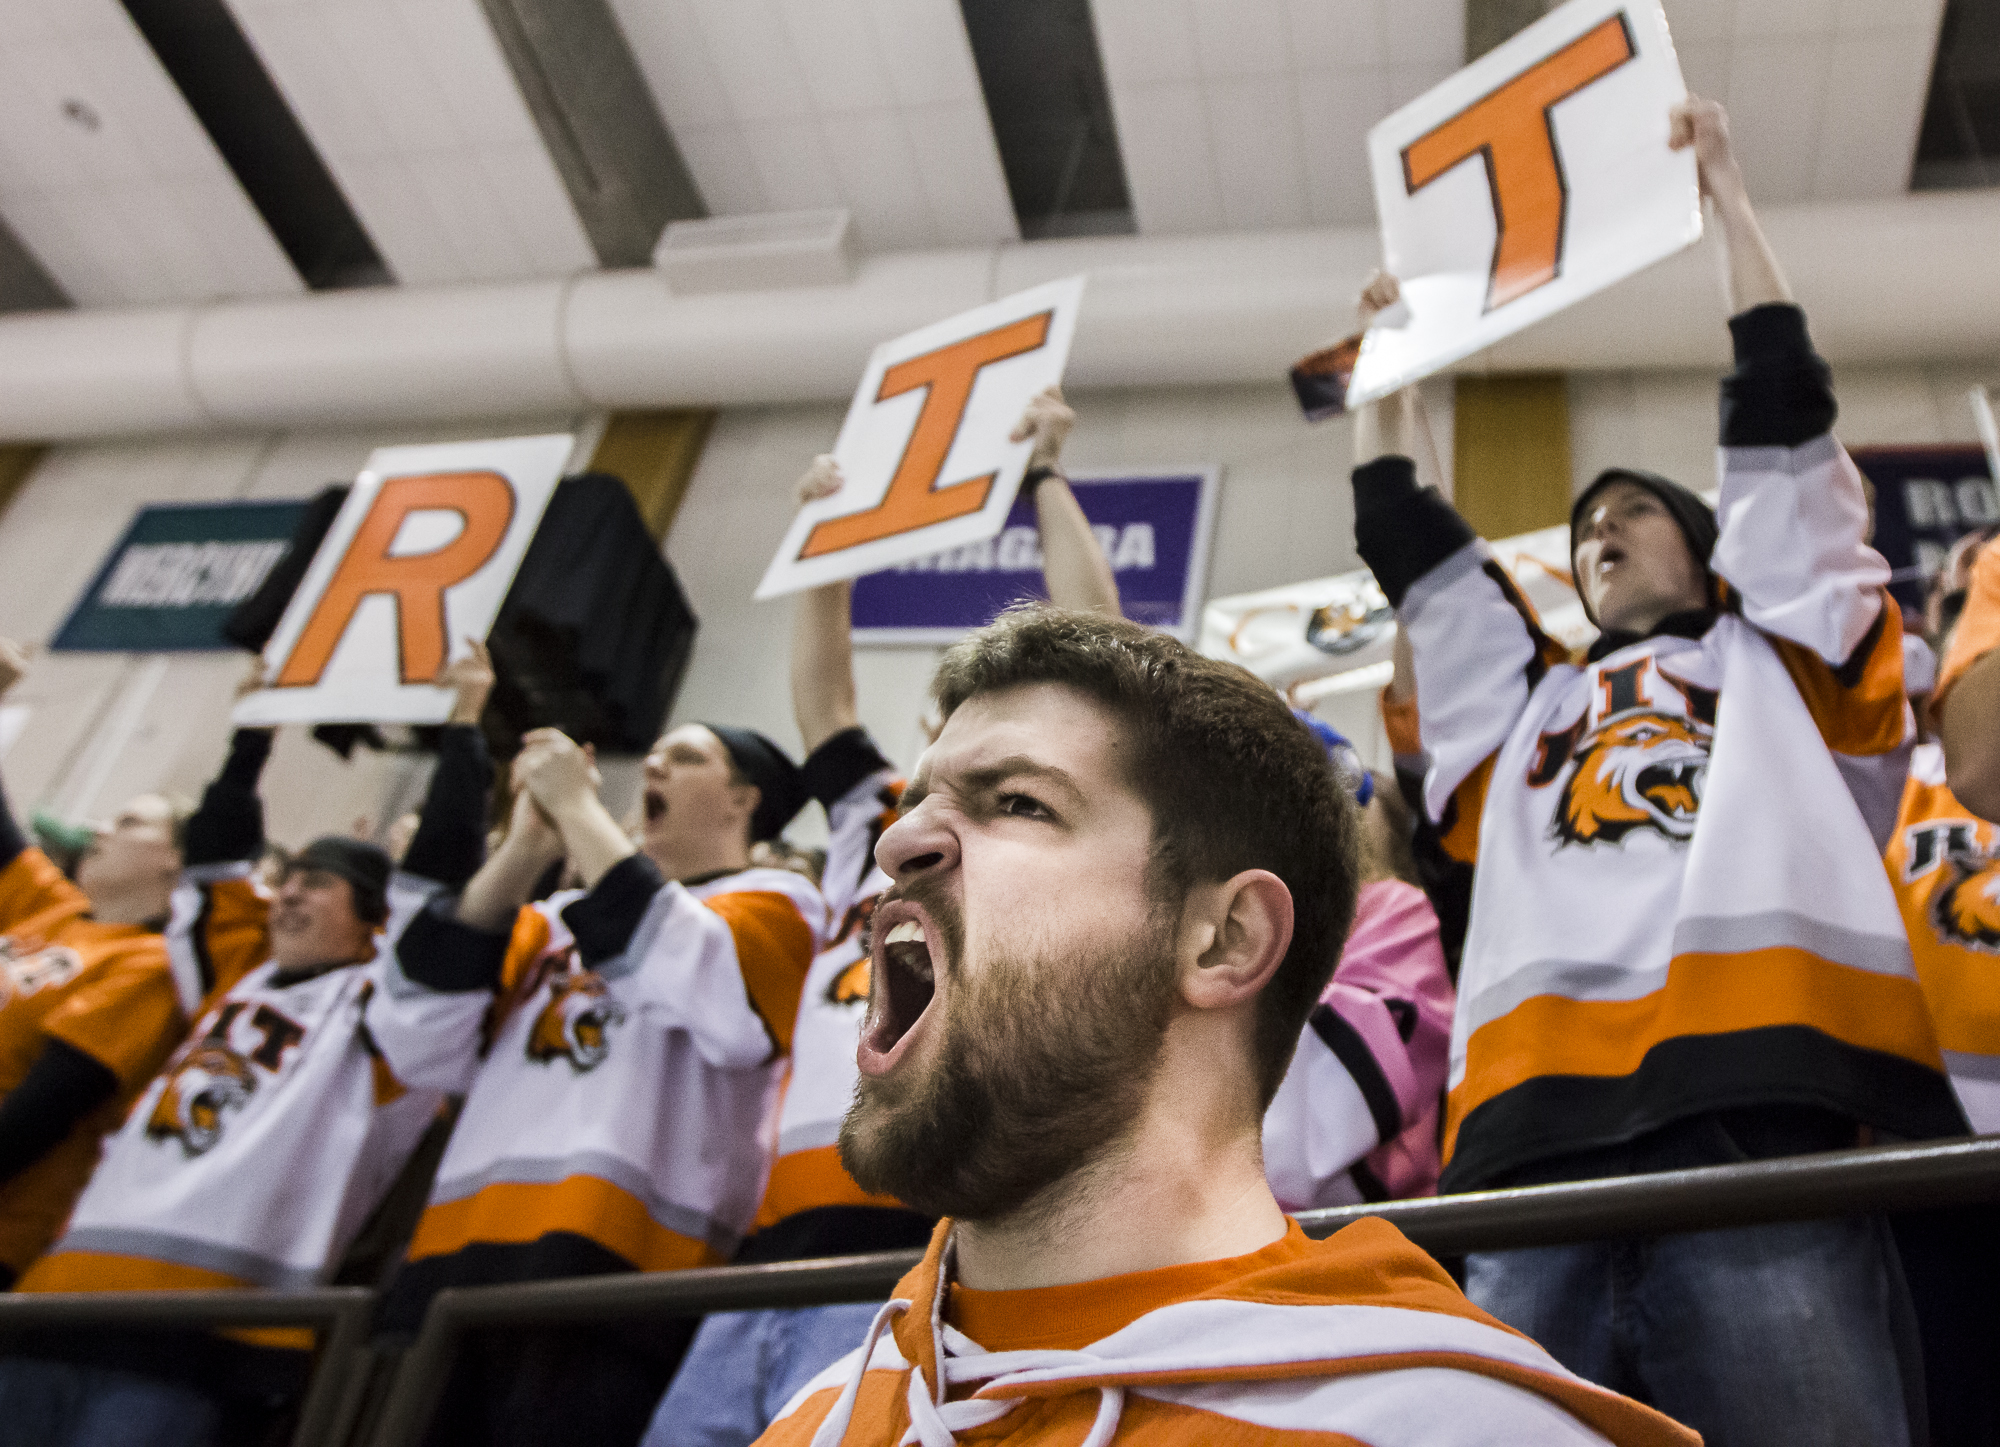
(341, 1315)
(1836, 1183)
(1885, 1178)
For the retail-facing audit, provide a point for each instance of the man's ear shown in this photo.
(749, 796)
(1233, 937)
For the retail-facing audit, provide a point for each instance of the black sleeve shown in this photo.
(229, 825)
(1781, 393)
(441, 951)
(841, 762)
(62, 1087)
(604, 920)
(1402, 530)
(450, 842)
(12, 841)
(1446, 881)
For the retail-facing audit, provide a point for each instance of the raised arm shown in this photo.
(508, 878)
(228, 828)
(1073, 564)
(563, 781)
(1794, 513)
(1751, 276)
(822, 637)
(1477, 647)
(450, 842)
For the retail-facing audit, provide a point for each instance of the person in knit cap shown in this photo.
(1682, 950)
(615, 1120)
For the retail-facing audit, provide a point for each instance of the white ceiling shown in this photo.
(1232, 115)
(1824, 96)
(138, 208)
(1238, 115)
(791, 105)
(411, 105)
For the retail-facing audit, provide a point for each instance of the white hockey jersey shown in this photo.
(1678, 904)
(256, 1155)
(821, 1075)
(619, 1105)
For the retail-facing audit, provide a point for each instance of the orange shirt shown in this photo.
(103, 989)
(1069, 1318)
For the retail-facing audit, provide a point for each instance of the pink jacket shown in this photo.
(1356, 1117)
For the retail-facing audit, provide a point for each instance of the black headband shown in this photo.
(777, 778)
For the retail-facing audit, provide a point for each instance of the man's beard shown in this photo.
(1038, 1070)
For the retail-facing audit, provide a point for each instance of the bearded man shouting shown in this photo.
(1121, 879)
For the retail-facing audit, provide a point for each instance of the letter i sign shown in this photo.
(926, 456)
(1534, 177)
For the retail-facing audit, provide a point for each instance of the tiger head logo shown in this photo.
(1639, 771)
(1966, 908)
(210, 1083)
(576, 1023)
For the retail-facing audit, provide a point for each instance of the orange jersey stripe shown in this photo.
(98, 1271)
(805, 1180)
(516, 1213)
(236, 929)
(774, 949)
(1705, 994)
(1865, 716)
(1468, 803)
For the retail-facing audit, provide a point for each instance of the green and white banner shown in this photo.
(176, 575)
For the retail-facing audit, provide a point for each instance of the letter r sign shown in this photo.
(925, 454)
(418, 560)
(1534, 177)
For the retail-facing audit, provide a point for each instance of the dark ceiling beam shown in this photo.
(624, 174)
(24, 286)
(1489, 23)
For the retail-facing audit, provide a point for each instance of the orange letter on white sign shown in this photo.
(1511, 130)
(485, 500)
(914, 500)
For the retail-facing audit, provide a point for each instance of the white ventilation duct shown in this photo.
(1896, 281)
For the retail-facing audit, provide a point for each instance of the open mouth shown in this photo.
(1609, 559)
(1674, 789)
(905, 983)
(655, 806)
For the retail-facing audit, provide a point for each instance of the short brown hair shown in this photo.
(1233, 779)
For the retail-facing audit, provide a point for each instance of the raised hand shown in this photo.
(822, 479)
(1382, 292)
(555, 771)
(471, 679)
(1704, 125)
(1049, 420)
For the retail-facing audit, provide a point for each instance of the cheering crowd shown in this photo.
(1137, 961)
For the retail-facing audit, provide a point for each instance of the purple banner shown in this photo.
(1925, 499)
(1153, 528)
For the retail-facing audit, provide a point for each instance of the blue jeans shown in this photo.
(745, 1366)
(58, 1404)
(1750, 1336)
